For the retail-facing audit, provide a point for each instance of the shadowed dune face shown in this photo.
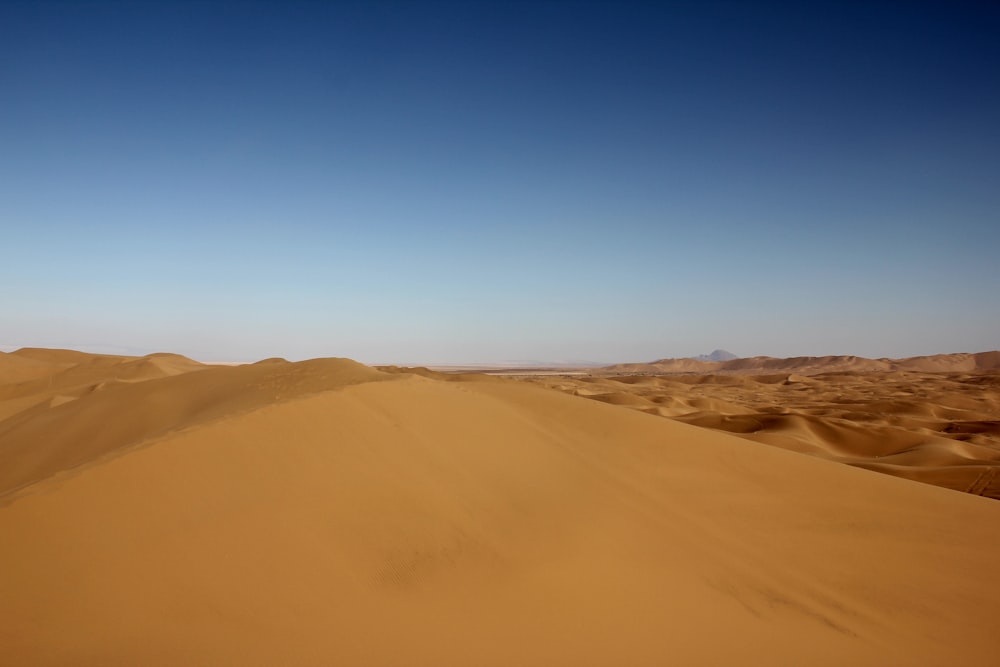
(939, 428)
(323, 512)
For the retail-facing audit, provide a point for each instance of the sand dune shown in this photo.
(940, 428)
(33, 376)
(939, 363)
(324, 512)
(99, 416)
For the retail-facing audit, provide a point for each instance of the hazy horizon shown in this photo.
(443, 182)
(452, 363)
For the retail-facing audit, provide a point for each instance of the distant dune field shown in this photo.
(157, 511)
(961, 362)
(939, 427)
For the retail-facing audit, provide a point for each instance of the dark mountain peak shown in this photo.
(717, 355)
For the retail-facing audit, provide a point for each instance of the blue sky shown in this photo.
(433, 182)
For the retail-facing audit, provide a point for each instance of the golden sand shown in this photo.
(155, 511)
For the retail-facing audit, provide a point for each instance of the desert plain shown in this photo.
(829, 511)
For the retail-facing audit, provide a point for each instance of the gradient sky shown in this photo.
(437, 182)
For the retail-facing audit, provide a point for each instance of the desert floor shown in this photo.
(157, 511)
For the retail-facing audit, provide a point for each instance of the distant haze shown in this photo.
(455, 182)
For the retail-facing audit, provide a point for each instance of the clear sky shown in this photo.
(454, 182)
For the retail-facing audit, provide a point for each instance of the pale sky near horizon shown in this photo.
(459, 182)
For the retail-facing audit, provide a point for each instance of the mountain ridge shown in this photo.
(716, 355)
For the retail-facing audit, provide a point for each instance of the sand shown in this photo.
(156, 511)
(942, 428)
(957, 362)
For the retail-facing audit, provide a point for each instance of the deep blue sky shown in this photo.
(458, 182)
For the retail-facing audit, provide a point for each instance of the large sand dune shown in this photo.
(155, 511)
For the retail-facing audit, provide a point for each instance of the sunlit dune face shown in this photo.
(154, 510)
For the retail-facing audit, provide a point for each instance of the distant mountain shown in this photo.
(717, 355)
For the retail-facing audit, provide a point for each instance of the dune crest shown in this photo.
(101, 405)
(324, 512)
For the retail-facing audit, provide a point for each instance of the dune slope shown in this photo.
(939, 428)
(331, 514)
(105, 413)
(33, 377)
